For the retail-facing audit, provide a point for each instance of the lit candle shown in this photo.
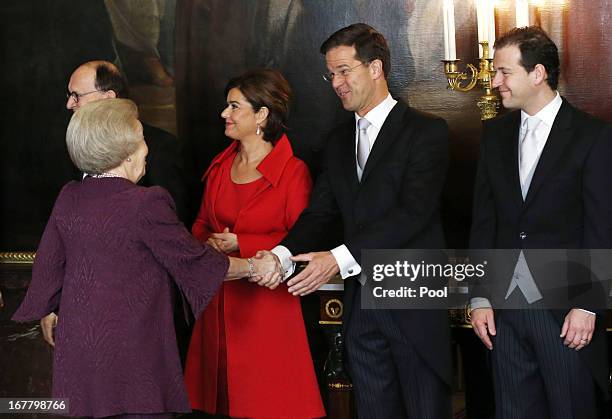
(522, 13)
(485, 12)
(448, 10)
(482, 24)
(445, 18)
(491, 27)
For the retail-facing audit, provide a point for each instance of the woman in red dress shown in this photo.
(249, 355)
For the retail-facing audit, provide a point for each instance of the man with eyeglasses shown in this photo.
(382, 177)
(98, 80)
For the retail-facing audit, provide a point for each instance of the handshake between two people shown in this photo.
(267, 270)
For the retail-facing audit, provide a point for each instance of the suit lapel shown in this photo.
(389, 132)
(348, 161)
(509, 157)
(560, 135)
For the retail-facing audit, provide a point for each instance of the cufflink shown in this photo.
(284, 278)
(467, 313)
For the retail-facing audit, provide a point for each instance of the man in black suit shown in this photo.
(544, 181)
(95, 80)
(382, 177)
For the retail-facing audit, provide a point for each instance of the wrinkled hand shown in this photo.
(214, 244)
(47, 324)
(578, 329)
(322, 267)
(268, 269)
(224, 242)
(483, 323)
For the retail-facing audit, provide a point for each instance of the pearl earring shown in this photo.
(258, 131)
(129, 159)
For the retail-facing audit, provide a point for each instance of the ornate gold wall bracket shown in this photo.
(456, 78)
(488, 103)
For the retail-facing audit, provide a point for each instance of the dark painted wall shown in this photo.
(44, 40)
(220, 39)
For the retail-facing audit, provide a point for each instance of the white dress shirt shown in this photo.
(345, 260)
(547, 115)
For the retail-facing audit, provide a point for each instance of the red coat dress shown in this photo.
(269, 367)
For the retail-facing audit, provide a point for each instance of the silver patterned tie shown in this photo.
(528, 154)
(363, 142)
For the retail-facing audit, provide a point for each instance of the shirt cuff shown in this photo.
(287, 264)
(346, 262)
(479, 302)
(587, 311)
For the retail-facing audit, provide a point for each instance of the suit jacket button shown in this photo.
(523, 235)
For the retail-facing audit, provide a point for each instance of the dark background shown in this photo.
(42, 43)
(44, 40)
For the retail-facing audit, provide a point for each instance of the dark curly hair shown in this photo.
(266, 87)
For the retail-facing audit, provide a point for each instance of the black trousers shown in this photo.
(390, 379)
(535, 375)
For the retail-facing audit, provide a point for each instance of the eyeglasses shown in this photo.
(342, 73)
(76, 96)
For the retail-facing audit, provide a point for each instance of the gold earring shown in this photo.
(258, 131)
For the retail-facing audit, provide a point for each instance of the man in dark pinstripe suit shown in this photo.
(383, 172)
(544, 181)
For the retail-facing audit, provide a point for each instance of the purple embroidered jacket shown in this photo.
(106, 261)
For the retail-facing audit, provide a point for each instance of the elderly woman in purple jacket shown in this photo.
(105, 263)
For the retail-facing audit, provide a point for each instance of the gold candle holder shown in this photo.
(488, 103)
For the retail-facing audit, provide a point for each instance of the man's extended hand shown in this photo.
(47, 324)
(483, 323)
(268, 269)
(578, 329)
(322, 267)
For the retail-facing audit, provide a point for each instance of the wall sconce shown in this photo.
(464, 81)
(488, 103)
(460, 81)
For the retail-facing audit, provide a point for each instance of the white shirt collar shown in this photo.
(548, 113)
(379, 113)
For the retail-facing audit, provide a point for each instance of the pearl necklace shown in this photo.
(104, 174)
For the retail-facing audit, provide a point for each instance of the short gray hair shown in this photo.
(102, 134)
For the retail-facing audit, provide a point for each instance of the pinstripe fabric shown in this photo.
(535, 375)
(390, 378)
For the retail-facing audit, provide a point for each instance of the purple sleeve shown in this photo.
(196, 268)
(45, 288)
